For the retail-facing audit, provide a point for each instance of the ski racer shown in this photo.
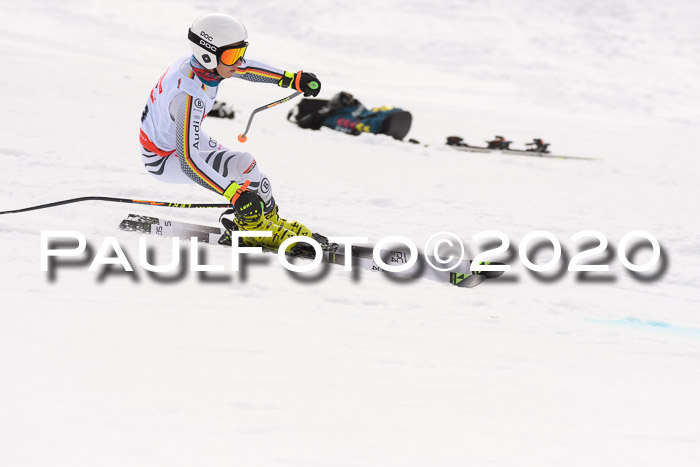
(175, 149)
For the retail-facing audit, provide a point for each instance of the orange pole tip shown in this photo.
(242, 138)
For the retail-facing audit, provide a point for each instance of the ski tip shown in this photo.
(466, 280)
(489, 274)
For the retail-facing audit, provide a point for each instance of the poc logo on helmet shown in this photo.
(206, 36)
(207, 45)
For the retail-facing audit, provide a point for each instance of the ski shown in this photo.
(359, 251)
(515, 152)
(360, 255)
(541, 149)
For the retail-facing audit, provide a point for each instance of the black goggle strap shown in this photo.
(200, 41)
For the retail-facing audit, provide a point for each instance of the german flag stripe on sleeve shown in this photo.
(258, 71)
(187, 148)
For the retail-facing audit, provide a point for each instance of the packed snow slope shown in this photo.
(123, 369)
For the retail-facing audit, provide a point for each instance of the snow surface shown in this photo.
(340, 372)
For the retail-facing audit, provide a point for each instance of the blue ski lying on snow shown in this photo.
(332, 253)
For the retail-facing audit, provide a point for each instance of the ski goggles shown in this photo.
(231, 55)
(228, 54)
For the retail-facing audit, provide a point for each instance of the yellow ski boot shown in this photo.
(249, 216)
(293, 226)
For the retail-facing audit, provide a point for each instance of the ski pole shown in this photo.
(242, 137)
(117, 200)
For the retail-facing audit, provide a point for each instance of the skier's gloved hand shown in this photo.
(302, 82)
(249, 207)
(235, 190)
(308, 84)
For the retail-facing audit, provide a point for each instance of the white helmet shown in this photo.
(211, 32)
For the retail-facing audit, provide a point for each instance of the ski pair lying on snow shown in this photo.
(361, 256)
